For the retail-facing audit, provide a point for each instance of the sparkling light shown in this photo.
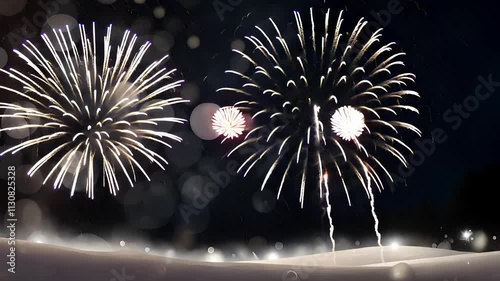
(94, 115)
(229, 122)
(348, 123)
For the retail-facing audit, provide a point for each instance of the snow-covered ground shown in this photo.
(47, 262)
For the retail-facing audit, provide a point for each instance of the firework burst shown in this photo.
(94, 111)
(311, 75)
(229, 122)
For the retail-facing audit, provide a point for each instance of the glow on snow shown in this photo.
(93, 112)
(316, 76)
(229, 122)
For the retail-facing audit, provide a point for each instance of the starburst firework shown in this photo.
(91, 112)
(229, 122)
(311, 75)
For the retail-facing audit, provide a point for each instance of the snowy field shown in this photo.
(47, 262)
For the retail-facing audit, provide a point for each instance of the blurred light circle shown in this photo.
(147, 250)
(4, 57)
(141, 26)
(29, 217)
(494, 238)
(166, 112)
(434, 245)
(163, 41)
(90, 242)
(11, 7)
(480, 242)
(357, 243)
(186, 153)
(10, 122)
(190, 92)
(238, 44)
(159, 12)
(257, 243)
(106, 2)
(201, 121)
(81, 181)
(240, 65)
(122, 243)
(278, 246)
(264, 201)
(61, 22)
(32, 120)
(402, 272)
(290, 275)
(211, 250)
(216, 257)
(444, 245)
(26, 184)
(193, 42)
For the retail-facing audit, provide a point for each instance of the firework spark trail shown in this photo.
(92, 115)
(374, 214)
(329, 211)
(313, 75)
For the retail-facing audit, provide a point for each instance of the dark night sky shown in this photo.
(449, 44)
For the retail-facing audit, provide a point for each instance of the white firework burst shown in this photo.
(310, 75)
(93, 109)
(348, 123)
(229, 122)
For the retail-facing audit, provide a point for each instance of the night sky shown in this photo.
(451, 47)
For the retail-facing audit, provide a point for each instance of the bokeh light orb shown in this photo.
(193, 42)
(163, 41)
(29, 218)
(12, 7)
(238, 44)
(4, 58)
(480, 241)
(278, 246)
(159, 12)
(9, 122)
(402, 272)
(26, 184)
(201, 121)
(61, 22)
(210, 250)
(264, 201)
(190, 92)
